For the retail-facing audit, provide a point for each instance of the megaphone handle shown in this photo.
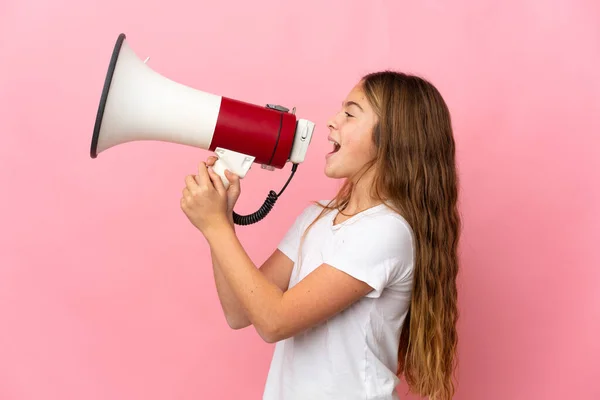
(219, 167)
(235, 162)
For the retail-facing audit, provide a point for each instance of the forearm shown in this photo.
(233, 311)
(259, 298)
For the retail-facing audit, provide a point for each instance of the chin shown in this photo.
(332, 173)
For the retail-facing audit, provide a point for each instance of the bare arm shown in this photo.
(278, 313)
(277, 269)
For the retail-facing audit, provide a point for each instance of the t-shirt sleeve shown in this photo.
(290, 243)
(378, 253)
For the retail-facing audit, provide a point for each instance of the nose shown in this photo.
(331, 123)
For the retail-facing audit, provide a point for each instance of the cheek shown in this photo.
(362, 148)
(357, 142)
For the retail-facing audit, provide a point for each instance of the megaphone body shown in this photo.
(138, 103)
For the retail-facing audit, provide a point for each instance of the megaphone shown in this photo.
(138, 103)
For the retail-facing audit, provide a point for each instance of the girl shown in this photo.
(362, 289)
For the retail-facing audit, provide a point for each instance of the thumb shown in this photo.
(217, 182)
(234, 181)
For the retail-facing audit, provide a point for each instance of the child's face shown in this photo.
(352, 131)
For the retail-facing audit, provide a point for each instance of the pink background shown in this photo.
(106, 290)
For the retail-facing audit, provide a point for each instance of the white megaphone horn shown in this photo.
(137, 103)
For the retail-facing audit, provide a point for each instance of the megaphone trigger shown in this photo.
(237, 163)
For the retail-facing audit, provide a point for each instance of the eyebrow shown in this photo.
(352, 103)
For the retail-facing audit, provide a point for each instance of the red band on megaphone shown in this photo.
(261, 132)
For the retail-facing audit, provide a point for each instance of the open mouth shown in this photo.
(336, 146)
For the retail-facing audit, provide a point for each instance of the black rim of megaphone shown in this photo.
(105, 90)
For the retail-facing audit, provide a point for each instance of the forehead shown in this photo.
(356, 94)
(357, 97)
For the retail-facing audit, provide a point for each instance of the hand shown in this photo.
(234, 190)
(204, 199)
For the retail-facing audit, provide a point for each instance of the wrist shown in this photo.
(217, 228)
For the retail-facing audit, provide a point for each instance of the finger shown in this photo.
(190, 183)
(210, 161)
(217, 182)
(234, 180)
(185, 196)
(203, 178)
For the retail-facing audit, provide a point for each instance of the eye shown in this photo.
(348, 115)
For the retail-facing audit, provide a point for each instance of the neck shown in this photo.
(362, 196)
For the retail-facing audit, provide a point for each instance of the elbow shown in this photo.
(270, 338)
(236, 324)
(271, 333)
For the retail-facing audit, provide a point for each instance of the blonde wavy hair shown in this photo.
(415, 170)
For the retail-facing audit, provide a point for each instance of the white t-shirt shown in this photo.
(353, 355)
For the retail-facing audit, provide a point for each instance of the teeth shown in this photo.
(336, 145)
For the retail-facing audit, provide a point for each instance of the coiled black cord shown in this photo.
(265, 208)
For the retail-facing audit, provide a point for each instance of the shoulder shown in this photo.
(376, 247)
(312, 211)
(382, 237)
(383, 228)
